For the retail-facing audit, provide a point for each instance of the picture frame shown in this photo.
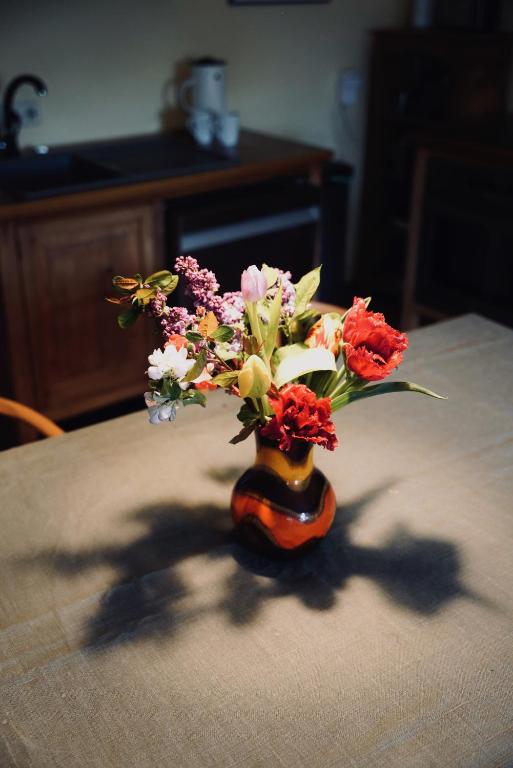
(278, 2)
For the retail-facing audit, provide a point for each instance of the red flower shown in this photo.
(372, 347)
(205, 385)
(298, 415)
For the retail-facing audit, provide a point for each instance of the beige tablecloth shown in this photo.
(135, 632)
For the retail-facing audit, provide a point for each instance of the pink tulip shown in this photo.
(253, 284)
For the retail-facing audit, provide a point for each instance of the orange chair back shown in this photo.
(18, 411)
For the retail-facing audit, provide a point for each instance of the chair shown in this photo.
(18, 411)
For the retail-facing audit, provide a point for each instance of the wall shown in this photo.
(107, 63)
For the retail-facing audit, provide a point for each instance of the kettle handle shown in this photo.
(185, 105)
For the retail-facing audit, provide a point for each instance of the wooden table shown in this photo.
(135, 632)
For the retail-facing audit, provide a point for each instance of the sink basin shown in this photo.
(36, 176)
(113, 163)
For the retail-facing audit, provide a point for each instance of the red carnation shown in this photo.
(372, 347)
(298, 415)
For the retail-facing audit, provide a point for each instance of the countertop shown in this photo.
(170, 165)
(135, 632)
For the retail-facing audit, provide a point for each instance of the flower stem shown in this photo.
(338, 381)
(223, 362)
(261, 410)
(251, 309)
(353, 383)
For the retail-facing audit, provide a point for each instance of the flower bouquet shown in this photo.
(291, 367)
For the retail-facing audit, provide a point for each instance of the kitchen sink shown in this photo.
(36, 176)
(111, 163)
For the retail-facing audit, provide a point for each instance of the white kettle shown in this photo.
(207, 87)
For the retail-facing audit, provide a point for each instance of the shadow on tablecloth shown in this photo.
(146, 601)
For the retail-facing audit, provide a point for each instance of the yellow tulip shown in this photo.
(254, 378)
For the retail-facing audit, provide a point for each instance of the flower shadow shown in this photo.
(420, 574)
(148, 596)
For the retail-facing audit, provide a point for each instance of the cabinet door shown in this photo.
(81, 359)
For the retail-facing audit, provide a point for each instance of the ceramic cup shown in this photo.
(227, 127)
(201, 125)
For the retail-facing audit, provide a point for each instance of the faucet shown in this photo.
(12, 121)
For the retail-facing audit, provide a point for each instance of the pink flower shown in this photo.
(253, 284)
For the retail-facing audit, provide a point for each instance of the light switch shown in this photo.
(348, 87)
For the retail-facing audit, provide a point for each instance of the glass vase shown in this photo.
(283, 501)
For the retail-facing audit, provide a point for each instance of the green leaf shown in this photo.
(271, 330)
(226, 379)
(223, 333)
(271, 275)
(198, 366)
(162, 279)
(380, 389)
(322, 382)
(247, 414)
(128, 316)
(194, 397)
(171, 285)
(170, 389)
(297, 359)
(193, 336)
(301, 324)
(306, 289)
(244, 433)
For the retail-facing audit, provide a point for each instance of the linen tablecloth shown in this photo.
(134, 631)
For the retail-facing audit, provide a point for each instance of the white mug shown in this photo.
(206, 86)
(227, 127)
(201, 125)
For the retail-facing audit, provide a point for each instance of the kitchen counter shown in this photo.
(157, 166)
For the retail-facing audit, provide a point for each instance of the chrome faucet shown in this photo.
(11, 120)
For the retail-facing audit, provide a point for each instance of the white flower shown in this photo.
(170, 360)
(159, 408)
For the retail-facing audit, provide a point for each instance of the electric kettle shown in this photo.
(206, 86)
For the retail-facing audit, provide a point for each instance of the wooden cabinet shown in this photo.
(424, 85)
(66, 354)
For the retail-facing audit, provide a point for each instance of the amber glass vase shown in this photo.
(283, 500)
